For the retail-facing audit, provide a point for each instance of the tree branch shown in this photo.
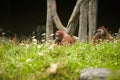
(56, 18)
(71, 26)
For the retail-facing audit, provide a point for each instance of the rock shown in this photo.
(94, 74)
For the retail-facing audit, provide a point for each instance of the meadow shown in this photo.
(46, 61)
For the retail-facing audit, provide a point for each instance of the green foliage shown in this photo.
(33, 61)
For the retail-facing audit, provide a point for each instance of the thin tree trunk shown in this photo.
(56, 17)
(49, 22)
(92, 18)
(83, 23)
(72, 23)
(118, 34)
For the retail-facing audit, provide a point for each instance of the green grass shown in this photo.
(33, 61)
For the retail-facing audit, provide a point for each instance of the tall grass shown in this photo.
(50, 62)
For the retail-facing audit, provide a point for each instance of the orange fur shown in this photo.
(101, 34)
(63, 38)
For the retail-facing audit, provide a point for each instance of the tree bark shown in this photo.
(81, 7)
(83, 23)
(118, 34)
(92, 18)
(72, 23)
(49, 21)
(53, 12)
(56, 18)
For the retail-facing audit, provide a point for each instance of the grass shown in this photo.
(48, 62)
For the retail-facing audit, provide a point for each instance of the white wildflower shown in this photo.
(33, 37)
(28, 60)
(51, 34)
(21, 44)
(115, 41)
(115, 34)
(40, 54)
(43, 34)
(39, 46)
(43, 40)
(52, 46)
(44, 51)
(27, 46)
(34, 41)
(3, 33)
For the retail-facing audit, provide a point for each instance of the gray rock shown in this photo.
(94, 74)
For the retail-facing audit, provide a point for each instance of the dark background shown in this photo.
(23, 16)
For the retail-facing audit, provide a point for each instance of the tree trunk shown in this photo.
(72, 23)
(83, 23)
(118, 34)
(81, 7)
(49, 22)
(56, 17)
(92, 18)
